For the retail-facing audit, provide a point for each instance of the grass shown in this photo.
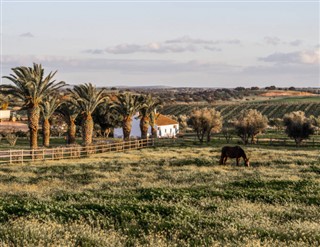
(293, 99)
(164, 196)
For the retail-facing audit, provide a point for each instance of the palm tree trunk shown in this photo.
(152, 124)
(153, 132)
(87, 129)
(144, 126)
(126, 126)
(46, 132)
(72, 128)
(33, 124)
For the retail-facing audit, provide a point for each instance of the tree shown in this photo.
(147, 112)
(126, 105)
(205, 121)
(182, 120)
(316, 123)
(107, 118)
(4, 101)
(298, 126)
(69, 112)
(249, 124)
(48, 107)
(32, 88)
(86, 98)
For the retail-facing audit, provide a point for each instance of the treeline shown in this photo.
(248, 124)
(82, 107)
(212, 95)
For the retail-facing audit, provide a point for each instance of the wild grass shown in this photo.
(164, 196)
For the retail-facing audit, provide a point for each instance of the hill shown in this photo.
(228, 111)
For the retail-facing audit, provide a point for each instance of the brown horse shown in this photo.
(233, 152)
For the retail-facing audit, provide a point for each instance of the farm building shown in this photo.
(166, 127)
(4, 114)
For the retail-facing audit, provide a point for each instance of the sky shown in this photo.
(168, 43)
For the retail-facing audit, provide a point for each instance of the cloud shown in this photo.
(94, 51)
(120, 65)
(183, 44)
(272, 40)
(26, 35)
(299, 57)
(211, 48)
(310, 57)
(188, 40)
(296, 42)
(153, 47)
(277, 41)
(194, 72)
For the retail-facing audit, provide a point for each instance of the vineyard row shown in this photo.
(230, 111)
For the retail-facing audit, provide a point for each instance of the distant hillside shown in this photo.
(229, 111)
(280, 93)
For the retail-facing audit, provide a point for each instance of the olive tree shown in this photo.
(204, 122)
(298, 126)
(249, 124)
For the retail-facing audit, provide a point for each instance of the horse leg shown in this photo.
(225, 160)
(238, 161)
(221, 160)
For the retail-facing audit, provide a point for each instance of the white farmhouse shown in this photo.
(166, 128)
(4, 114)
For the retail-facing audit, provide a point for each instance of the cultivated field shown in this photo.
(164, 196)
(229, 111)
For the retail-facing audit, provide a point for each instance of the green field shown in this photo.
(296, 99)
(164, 196)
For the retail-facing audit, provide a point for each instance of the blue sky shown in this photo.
(187, 44)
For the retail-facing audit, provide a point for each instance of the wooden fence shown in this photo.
(72, 152)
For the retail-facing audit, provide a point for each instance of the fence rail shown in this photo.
(72, 152)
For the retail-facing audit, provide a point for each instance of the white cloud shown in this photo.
(184, 44)
(310, 57)
(299, 57)
(154, 47)
(189, 40)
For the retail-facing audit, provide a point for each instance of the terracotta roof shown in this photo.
(163, 120)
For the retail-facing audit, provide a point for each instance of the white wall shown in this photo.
(5, 114)
(168, 130)
(135, 129)
(164, 131)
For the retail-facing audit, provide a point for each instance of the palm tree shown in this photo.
(32, 88)
(48, 107)
(147, 114)
(86, 98)
(127, 105)
(4, 101)
(69, 112)
(107, 118)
